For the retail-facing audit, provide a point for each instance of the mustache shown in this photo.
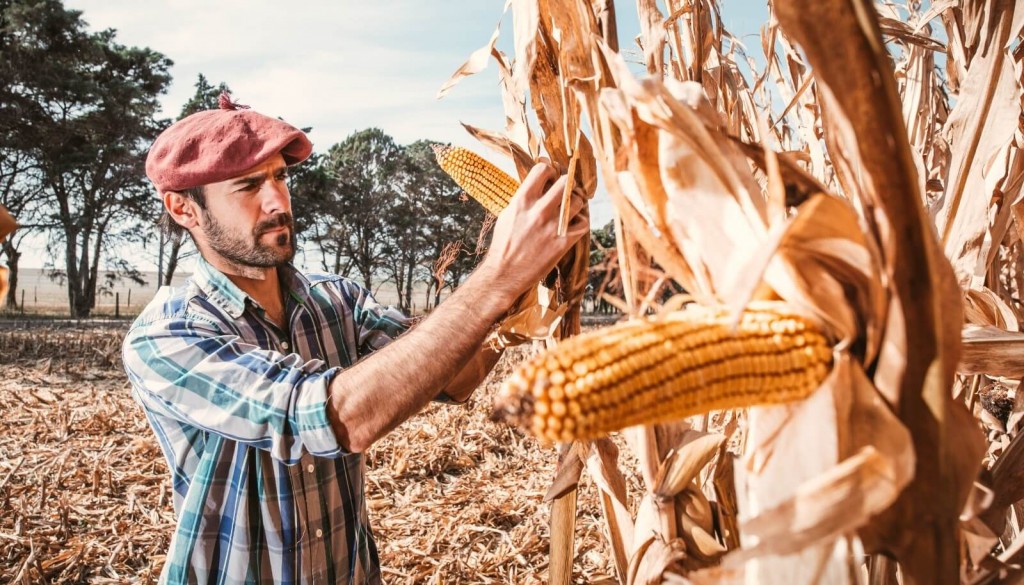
(274, 222)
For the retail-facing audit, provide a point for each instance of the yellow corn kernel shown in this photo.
(490, 186)
(648, 371)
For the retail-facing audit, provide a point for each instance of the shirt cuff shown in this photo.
(315, 430)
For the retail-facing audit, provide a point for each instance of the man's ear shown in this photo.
(182, 209)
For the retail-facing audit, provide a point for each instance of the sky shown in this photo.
(340, 66)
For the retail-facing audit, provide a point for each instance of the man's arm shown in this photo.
(377, 394)
(473, 373)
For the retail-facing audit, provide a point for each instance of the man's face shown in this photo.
(248, 218)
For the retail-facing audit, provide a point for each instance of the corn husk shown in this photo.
(868, 198)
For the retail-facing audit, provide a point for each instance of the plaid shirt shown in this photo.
(262, 491)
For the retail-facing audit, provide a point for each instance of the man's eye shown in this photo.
(282, 175)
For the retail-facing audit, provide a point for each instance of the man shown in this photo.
(264, 385)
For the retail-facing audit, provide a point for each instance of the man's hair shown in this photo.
(171, 229)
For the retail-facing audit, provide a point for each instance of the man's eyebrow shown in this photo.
(250, 180)
(257, 178)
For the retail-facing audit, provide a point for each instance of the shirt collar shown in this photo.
(225, 294)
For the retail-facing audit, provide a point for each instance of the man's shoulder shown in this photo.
(171, 302)
(321, 281)
(321, 278)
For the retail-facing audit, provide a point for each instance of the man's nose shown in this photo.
(275, 197)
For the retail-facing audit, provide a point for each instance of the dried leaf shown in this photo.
(831, 504)
(683, 463)
(1007, 484)
(603, 467)
(877, 462)
(984, 307)
(567, 475)
(982, 122)
(993, 351)
(477, 60)
(506, 146)
(856, 84)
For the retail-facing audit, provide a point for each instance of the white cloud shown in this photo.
(338, 66)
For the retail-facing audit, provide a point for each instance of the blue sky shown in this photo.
(340, 66)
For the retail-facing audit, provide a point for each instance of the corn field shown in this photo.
(867, 177)
(833, 400)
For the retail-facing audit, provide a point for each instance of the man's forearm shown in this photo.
(473, 373)
(377, 394)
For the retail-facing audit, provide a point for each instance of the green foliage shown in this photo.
(205, 97)
(373, 209)
(78, 112)
(82, 107)
(603, 242)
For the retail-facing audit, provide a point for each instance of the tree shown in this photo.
(363, 170)
(82, 107)
(602, 272)
(311, 188)
(443, 217)
(20, 184)
(20, 194)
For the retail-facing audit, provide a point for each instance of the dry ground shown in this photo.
(84, 495)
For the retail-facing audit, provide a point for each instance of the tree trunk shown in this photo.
(71, 262)
(172, 260)
(410, 266)
(160, 260)
(12, 276)
(367, 274)
(93, 267)
(426, 296)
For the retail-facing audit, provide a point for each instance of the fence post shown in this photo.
(129, 303)
(117, 304)
(22, 301)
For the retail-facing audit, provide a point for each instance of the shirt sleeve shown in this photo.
(376, 325)
(190, 371)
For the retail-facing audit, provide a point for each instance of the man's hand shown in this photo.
(525, 244)
(380, 392)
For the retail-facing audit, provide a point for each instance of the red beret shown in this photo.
(215, 145)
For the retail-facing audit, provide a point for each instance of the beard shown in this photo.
(249, 250)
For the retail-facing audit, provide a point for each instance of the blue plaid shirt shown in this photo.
(262, 491)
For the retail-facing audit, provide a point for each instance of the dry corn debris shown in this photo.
(84, 491)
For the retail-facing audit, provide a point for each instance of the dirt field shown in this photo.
(85, 498)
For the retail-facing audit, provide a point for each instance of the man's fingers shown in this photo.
(579, 225)
(579, 218)
(535, 182)
(577, 203)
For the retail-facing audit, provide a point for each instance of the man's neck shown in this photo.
(263, 285)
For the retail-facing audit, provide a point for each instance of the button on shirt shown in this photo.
(263, 492)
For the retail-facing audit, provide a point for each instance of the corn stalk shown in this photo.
(868, 199)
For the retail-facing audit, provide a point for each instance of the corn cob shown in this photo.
(483, 181)
(656, 370)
